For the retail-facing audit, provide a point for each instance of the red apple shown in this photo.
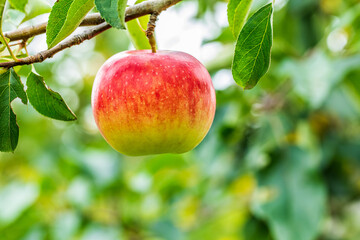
(151, 103)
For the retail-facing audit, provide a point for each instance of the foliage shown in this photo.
(238, 11)
(252, 51)
(19, 4)
(281, 161)
(46, 101)
(10, 88)
(136, 28)
(65, 17)
(113, 12)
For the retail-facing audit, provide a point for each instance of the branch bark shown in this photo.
(131, 13)
(31, 31)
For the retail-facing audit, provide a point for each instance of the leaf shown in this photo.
(296, 207)
(135, 30)
(35, 8)
(19, 4)
(12, 19)
(113, 11)
(252, 52)
(46, 101)
(137, 36)
(65, 17)
(238, 10)
(10, 88)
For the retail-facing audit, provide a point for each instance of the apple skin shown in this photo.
(150, 103)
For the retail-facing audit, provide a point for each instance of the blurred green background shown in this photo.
(281, 161)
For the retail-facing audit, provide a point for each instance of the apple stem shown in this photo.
(150, 31)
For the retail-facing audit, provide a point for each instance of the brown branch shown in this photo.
(75, 40)
(31, 31)
(132, 12)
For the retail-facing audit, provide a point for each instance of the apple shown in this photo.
(150, 103)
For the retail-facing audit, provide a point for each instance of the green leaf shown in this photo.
(252, 52)
(10, 88)
(35, 8)
(65, 17)
(19, 4)
(238, 11)
(113, 11)
(46, 101)
(295, 204)
(135, 29)
(137, 36)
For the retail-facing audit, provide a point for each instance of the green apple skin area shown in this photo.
(150, 103)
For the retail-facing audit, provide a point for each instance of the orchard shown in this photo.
(179, 119)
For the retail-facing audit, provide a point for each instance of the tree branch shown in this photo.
(131, 13)
(31, 31)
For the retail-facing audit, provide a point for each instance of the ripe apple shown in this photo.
(151, 103)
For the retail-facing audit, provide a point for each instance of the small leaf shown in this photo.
(113, 11)
(137, 36)
(12, 19)
(136, 29)
(252, 51)
(46, 101)
(65, 17)
(19, 4)
(238, 10)
(10, 88)
(35, 8)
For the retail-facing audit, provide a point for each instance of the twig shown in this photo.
(26, 51)
(75, 40)
(7, 45)
(15, 44)
(31, 31)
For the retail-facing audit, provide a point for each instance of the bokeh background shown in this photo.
(281, 161)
